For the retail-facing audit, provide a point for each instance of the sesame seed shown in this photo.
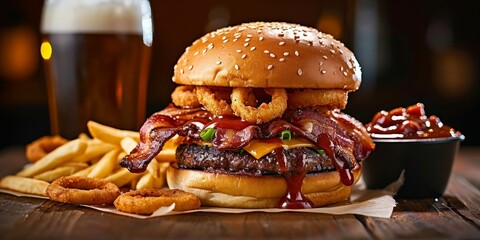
(175, 67)
(218, 62)
(340, 51)
(244, 56)
(252, 48)
(266, 51)
(238, 50)
(272, 55)
(285, 54)
(297, 54)
(249, 35)
(281, 43)
(204, 51)
(237, 67)
(269, 67)
(323, 71)
(225, 41)
(247, 39)
(332, 51)
(196, 53)
(224, 37)
(246, 44)
(190, 68)
(281, 59)
(341, 69)
(181, 71)
(345, 73)
(235, 39)
(210, 46)
(299, 71)
(260, 38)
(325, 57)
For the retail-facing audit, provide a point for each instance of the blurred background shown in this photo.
(409, 51)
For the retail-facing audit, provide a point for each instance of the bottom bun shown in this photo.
(243, 191)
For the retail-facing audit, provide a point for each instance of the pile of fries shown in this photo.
(96, 157)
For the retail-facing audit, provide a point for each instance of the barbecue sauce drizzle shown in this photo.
(293, 197)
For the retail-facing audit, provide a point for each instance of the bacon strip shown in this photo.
(155, 132)
(337, 137)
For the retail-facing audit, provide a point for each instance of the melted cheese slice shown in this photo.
(260, 148)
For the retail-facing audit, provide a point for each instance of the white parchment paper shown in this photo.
(372, 203)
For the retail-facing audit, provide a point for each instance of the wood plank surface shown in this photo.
(456, 215)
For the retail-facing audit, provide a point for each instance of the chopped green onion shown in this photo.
(286, 135)
(208, 134)
(241, 151)
(320, 151)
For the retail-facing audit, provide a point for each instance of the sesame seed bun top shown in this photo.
(268, 55)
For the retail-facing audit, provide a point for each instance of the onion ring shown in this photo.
(315, 98)
(147, 201)
(185, 97)
(215, 100)
(263, 113)
(83, 190)
(42, 146)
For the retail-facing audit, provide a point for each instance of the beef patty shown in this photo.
(302, 159)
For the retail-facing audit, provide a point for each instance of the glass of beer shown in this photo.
(96, 56)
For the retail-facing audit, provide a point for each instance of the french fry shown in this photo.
(145, 181)
(110, 135)
(149, 181)
(133, 183)
(65, 170)
(168, 152)
(128, 144)
(24, 185)
(163, 172)
(154, 168)
(83, 136)
(122, 177)
(57, 157)
(106, 165)
(79, 165)
(94, 150)
(84, 172)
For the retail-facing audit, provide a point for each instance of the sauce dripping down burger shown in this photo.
(256, 120)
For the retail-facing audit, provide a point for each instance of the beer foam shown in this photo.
(96, 16)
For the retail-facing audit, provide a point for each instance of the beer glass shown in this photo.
(96, 56)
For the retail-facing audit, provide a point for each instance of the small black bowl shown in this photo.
(427, 164)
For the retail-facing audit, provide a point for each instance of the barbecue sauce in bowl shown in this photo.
(412, 148)
(409, 123)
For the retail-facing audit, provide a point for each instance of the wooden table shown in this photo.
(457, 215)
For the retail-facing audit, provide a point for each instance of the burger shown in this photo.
(256, 120)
